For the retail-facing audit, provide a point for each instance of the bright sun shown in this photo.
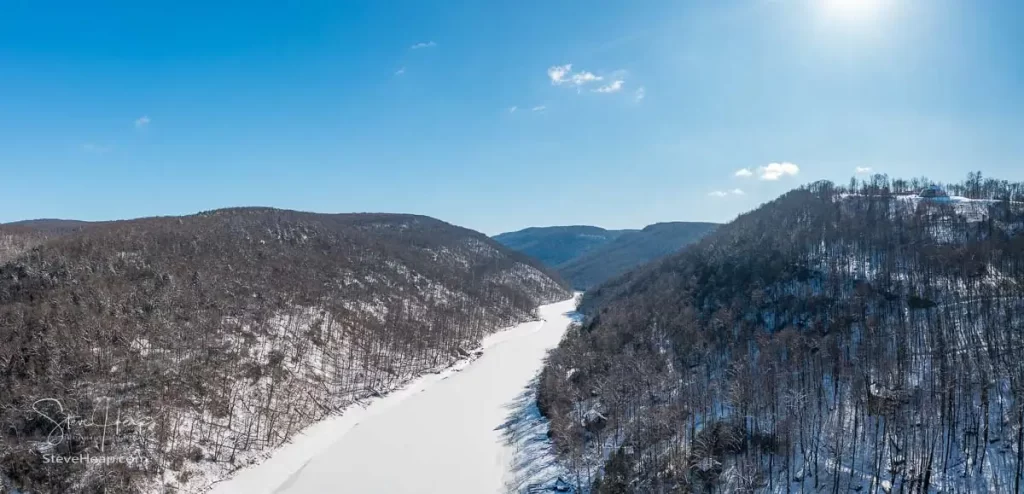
(852, 8)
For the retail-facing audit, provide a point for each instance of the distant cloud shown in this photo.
(141, 122)
(743, 172)
(584, 77)
(639, 94)
(775, 171)
(557, 73)
(90, 147)
(723, 193)
(400, 71)
(563, 75)
(614, 87)
(718, 193)
(423, 44)
(539, 108)
(738, 192)
(512, 109)
(863, 170)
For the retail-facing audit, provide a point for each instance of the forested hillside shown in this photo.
(837, 339)
(19, 236)
(17, 239)
(587, 255)
(557, 245)
(190, 345)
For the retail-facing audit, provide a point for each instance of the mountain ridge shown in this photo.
(232, 329)
(588, 255)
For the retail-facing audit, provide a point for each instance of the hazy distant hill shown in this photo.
(588, 255)
(630, 250)
(226, 332)
(556, 245)
(51, 225)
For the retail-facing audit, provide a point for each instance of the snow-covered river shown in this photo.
(443, 433)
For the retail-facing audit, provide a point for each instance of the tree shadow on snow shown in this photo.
(535, 468)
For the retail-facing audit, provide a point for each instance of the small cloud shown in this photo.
(743, 172)
(718, 193)
(563, 74)
(557, 73)
(539, 108)
(863, 170)
(775, 171)
(614, 87)
(738, 192)
(639, 94)
(423, 44)
(90, 147)
(400, 71)
(512, 109)
(584, 77)
(141, 122)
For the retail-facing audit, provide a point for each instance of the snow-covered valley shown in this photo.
(465, 430)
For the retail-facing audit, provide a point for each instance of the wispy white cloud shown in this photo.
(775, 171)
(639, 94)
(557, 73)
(862, 170)
(614, 87)
(512, 109)
(91, 147)
(141, 122)
(563, 75)
(743, 173)
(539, 108)
(423, 44)
(581, 78)
(726, 193)
(400, 71)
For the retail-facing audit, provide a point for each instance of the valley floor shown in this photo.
(448, 432)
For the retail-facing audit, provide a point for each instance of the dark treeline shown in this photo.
(217, 336)
(838, 338)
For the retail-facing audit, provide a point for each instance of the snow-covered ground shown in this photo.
(445, 432)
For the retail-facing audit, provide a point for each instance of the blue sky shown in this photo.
(626, 113)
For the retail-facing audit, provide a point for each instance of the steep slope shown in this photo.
(556, 245)
(834, 339)
(630, 250)
(182, 347)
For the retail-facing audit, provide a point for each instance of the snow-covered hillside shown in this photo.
(216, 337)
(832, 340)
(468, 429)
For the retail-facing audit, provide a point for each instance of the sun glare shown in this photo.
(852, 9)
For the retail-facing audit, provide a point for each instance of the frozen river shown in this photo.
(443, 433)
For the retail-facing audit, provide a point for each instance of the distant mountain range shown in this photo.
(588, 255)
